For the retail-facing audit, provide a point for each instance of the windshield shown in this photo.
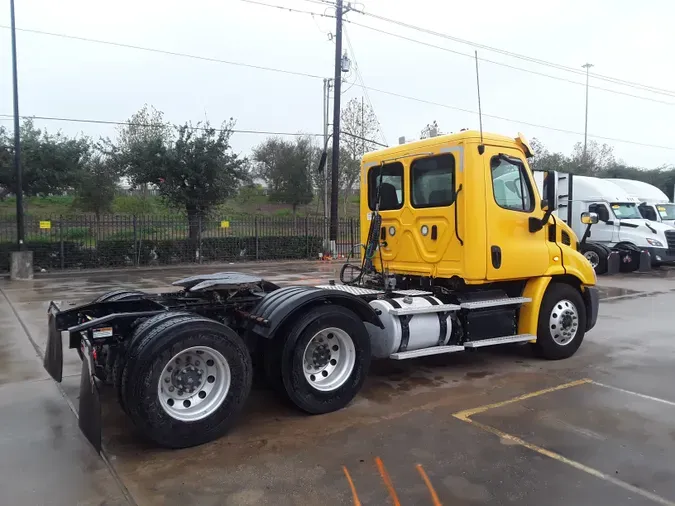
(667, 211)
(626, 211)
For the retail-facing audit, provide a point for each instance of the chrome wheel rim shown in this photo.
(564, 322)
(329, 359)
(194, 383)
(593, 258)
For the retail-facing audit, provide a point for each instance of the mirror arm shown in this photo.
(587, 233)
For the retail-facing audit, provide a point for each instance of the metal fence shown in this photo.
(87, 242)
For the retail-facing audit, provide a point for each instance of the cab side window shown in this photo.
(432, 181)
(510, 184)
(385, 185)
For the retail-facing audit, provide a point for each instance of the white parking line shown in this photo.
(649, 397)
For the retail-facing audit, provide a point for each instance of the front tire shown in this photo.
(323, 360)
(166, 396)
(562, 322)
(597, 256)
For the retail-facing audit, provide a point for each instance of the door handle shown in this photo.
(434, 232)
(496, 254)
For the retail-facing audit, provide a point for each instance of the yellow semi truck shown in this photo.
(459, 252)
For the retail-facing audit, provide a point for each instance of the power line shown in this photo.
(169, 53)
(289, 9)
(359, 76)
(644, 87)
(428, 44)
(4, 117)
(512, 120)
(314, 76)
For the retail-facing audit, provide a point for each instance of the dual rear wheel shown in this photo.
(183, 379)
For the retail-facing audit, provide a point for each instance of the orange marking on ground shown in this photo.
(434, 496)
(387, 481)
(351, 485)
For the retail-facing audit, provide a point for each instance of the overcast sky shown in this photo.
(76, 79)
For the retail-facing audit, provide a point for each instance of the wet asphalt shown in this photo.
(494, 427)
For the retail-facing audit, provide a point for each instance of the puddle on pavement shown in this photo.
(613, 291)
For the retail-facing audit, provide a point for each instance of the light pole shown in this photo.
(17, 137)
(586, 66)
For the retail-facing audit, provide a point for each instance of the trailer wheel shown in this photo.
(322, 362)
(116, 295)
(186, 381)
(562, 322)
(597, 256)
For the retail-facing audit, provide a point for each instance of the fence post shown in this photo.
(62, 249)
(199, 238)
(306, 237)
(351, 236)
(137, 253)
(256, 238)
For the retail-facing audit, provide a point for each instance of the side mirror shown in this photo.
(550, 188)
(589, 218)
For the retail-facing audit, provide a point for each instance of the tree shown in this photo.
(287, 168)
(142, 146)
(358, 125)
(97, 187)
(202, 171)
(50, 163)
(598, 158)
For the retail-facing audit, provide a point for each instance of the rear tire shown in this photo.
(122, 352)
(562, 322)
(153, 360)
(330, 339)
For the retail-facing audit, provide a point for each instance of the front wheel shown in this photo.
(323, 360)
(562, 322)
(597, 256)
(186, 380)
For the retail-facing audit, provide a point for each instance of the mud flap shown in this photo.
(645, 261)
(53, 361)
(90, 401)
(613, 262)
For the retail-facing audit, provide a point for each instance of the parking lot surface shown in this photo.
(494, 427)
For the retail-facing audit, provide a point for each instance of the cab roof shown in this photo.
(456, 138)
(645, 192)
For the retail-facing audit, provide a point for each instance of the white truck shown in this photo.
(653, 203)
(620, 225)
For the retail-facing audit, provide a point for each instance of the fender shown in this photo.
(282, 304)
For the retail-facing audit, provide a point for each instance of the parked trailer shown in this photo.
(460, 252)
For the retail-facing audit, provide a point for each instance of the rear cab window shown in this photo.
(432, 181)
(385, 183)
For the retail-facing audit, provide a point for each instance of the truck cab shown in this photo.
(458, 206)
(653, 203)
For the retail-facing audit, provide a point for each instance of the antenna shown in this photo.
(481, 147)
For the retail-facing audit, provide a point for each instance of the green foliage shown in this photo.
(96, 187)
(287, 168)
(76, 233)
(51, 163)
(136, 205)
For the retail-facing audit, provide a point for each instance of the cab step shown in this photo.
(520, 338)
(506, 301)
(424, 352)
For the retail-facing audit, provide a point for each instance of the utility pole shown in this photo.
(335, 159)
(326, 105)
(17, 138)
(587, 66)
